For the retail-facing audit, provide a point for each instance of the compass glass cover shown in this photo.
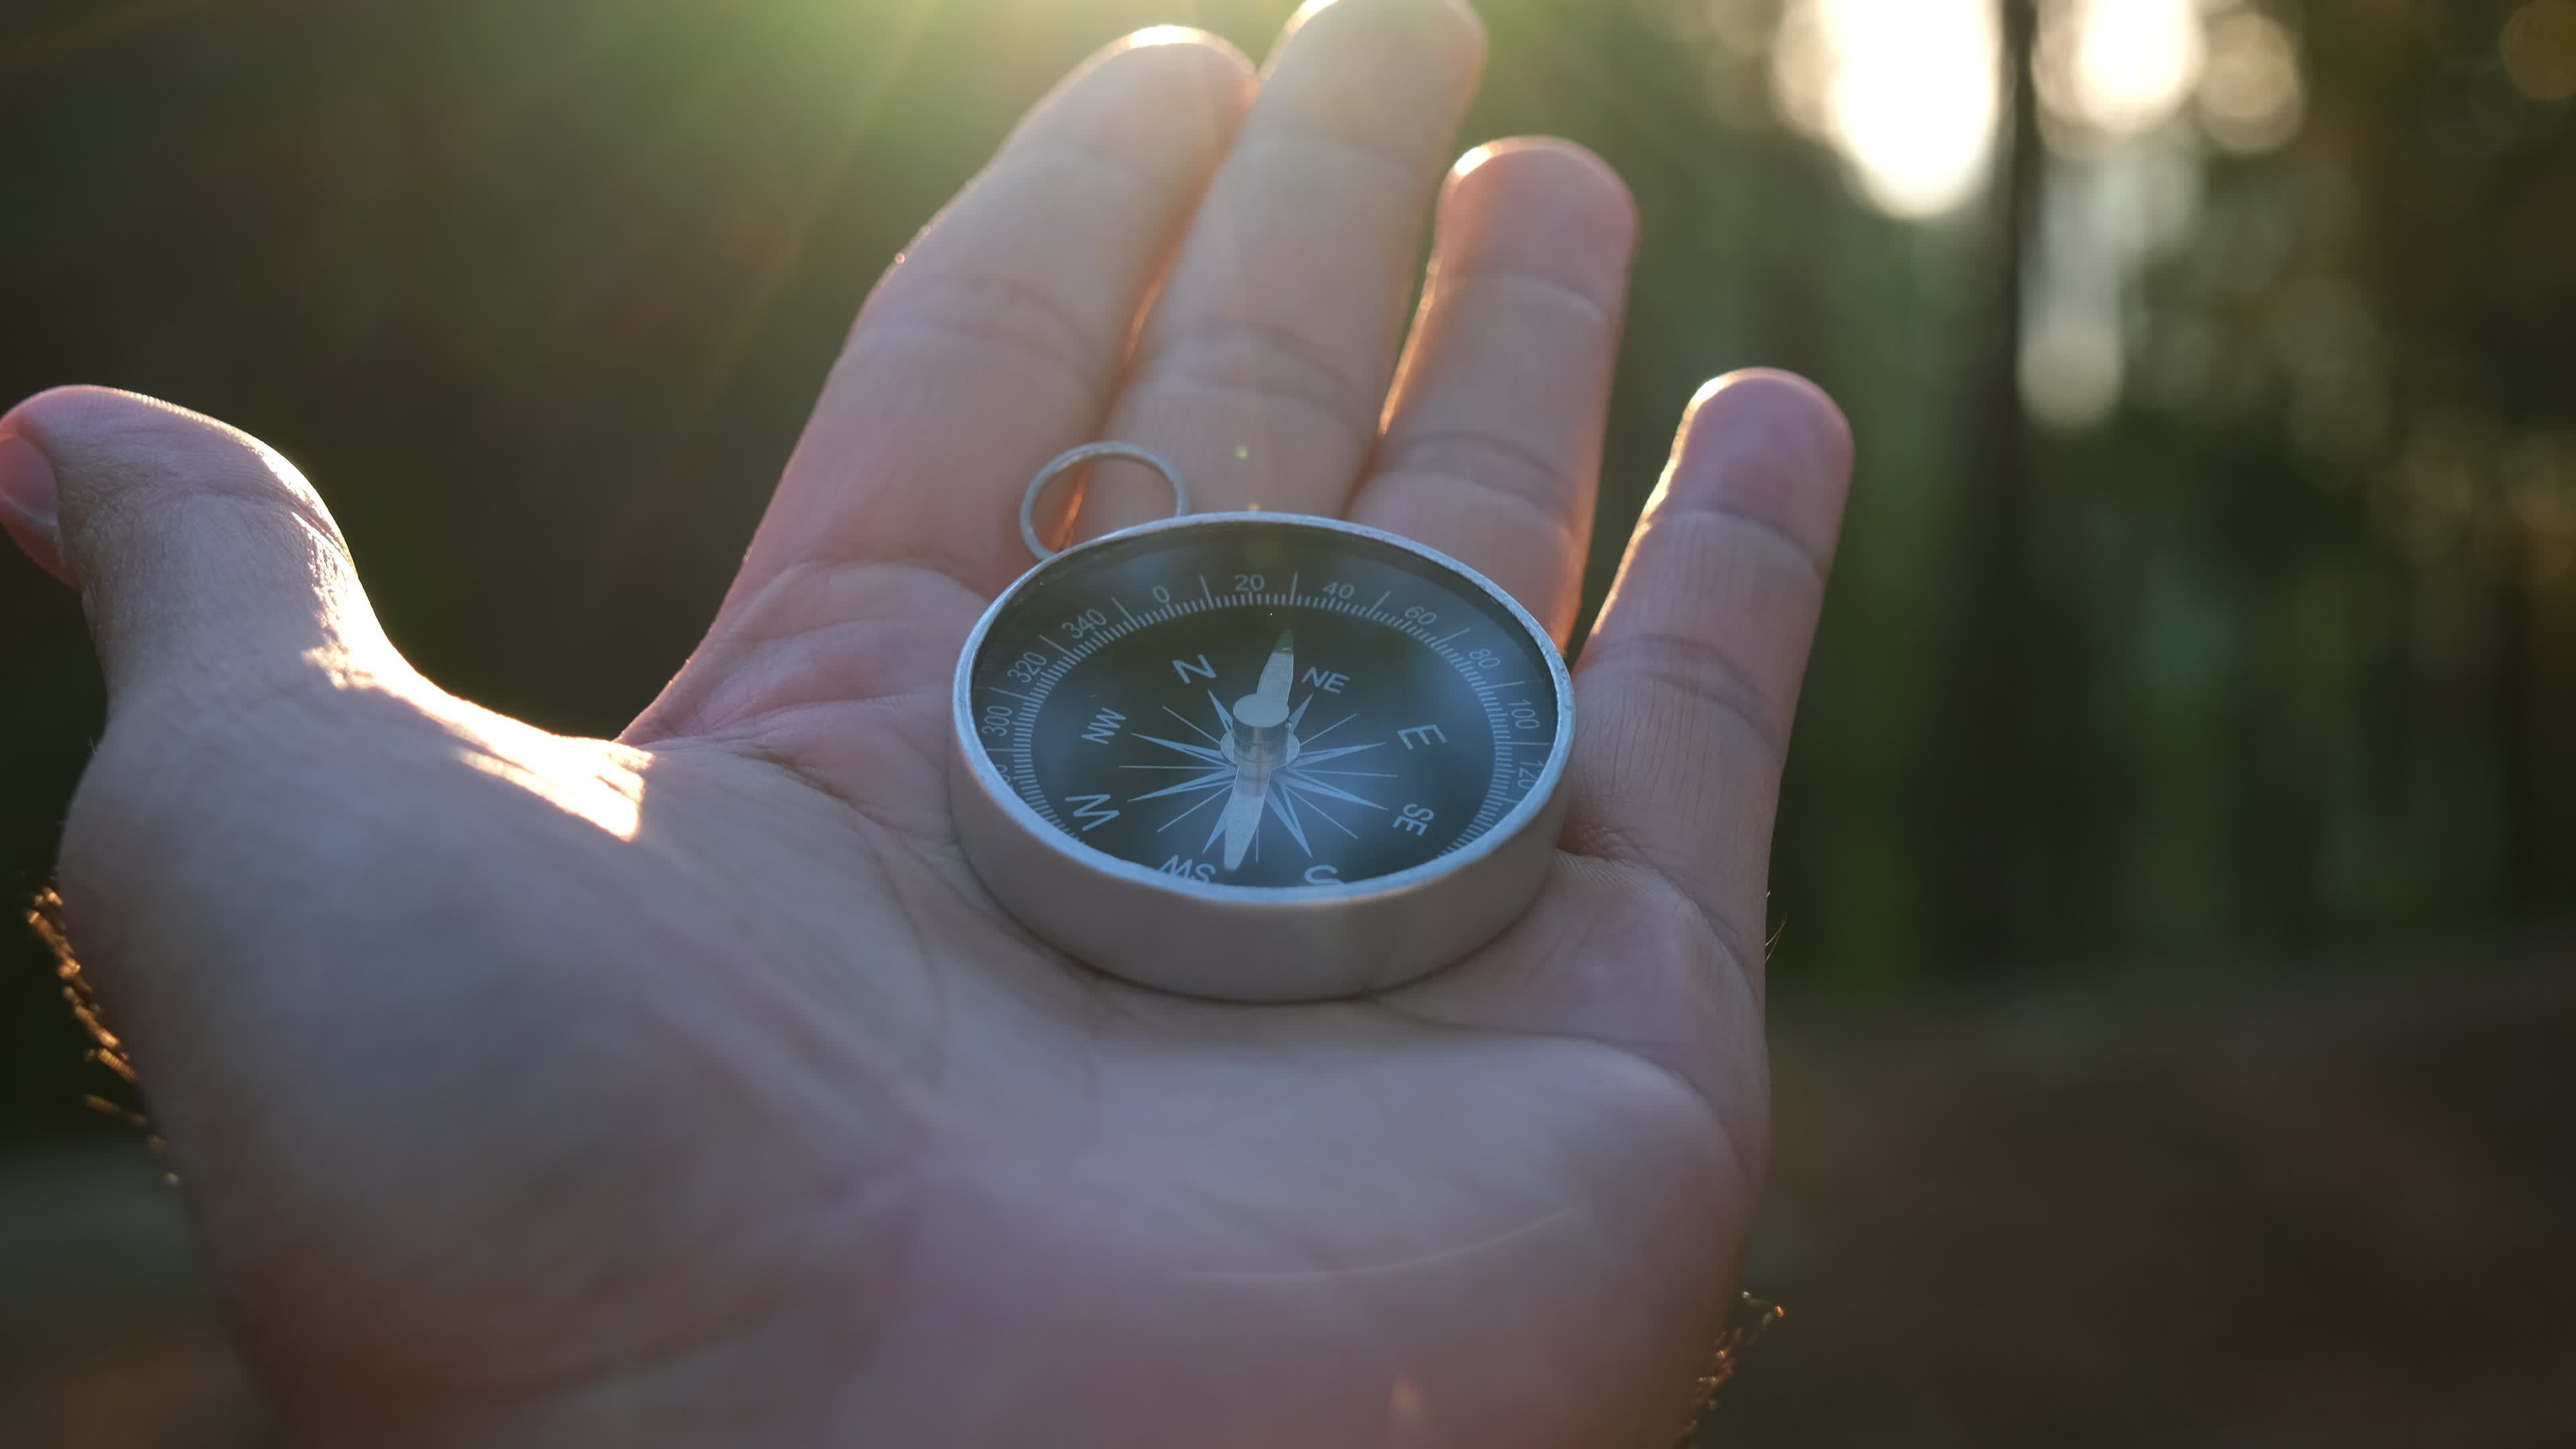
(1256, 701)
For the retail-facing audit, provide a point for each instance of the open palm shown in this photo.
(689, 1087)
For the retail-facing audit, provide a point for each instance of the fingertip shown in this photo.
(28, 503)
(47, 420)
(102, 442)
(1447, 31)
(1551, 164)
(1183, 47)
(1771, 446)
(60, 404)
(1562, 201)
(1779, 410)
(69, 423)
(128, 474)
(1139, 92)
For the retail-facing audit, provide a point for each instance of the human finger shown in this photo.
(1262, 369)
(993, 342)
(1689, 680)
(1492, 450)
(202, 557)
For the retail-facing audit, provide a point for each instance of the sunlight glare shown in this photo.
(600, 784)
(1162, 35)
(1906, 90)
(2118, 67)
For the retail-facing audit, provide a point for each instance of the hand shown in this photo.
(688, 1088)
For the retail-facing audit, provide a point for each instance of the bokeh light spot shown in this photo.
(2071, 369)
(2118, 67)
(2539, 49)
(2251, 98)
(1906, 90)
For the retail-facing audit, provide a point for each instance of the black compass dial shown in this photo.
(1254, 700)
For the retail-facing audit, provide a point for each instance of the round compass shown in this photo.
(1259, 756)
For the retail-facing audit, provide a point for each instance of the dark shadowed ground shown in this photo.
(2321, 1212)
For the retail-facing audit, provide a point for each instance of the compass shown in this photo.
(1258, 756)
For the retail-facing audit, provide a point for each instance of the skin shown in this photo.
(688, 1087)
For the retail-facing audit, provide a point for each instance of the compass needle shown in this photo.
(1437, 792)
(1269, 704)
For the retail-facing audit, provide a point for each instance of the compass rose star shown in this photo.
(1255, 766)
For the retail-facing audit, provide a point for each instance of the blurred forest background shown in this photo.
(2191, 741)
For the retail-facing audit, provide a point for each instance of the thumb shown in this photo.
(197, 550)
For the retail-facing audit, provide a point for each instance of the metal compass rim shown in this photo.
(1514, 822)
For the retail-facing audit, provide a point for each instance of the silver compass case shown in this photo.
(1179, 932)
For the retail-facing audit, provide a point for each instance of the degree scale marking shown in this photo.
(1045, 682)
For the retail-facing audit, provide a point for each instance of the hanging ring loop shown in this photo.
(1084, 454)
